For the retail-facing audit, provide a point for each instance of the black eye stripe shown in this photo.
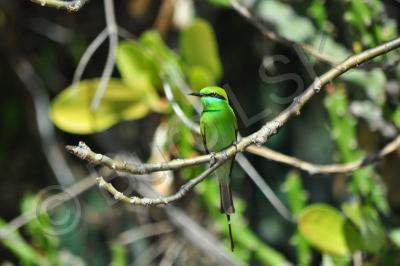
(215, 95)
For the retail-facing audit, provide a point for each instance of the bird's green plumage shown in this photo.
(219, 130)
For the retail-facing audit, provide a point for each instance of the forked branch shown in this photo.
(258, 138)
(74, 5)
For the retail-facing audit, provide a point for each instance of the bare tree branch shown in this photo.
(53, 152)
(74, 5)
(259, 137)
(163, 19)
(112, 30)
(144, 231)
(160, 200)
(87, 55)
(325, 169)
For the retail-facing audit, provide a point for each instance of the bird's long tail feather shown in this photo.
(228, 218)
(227, 206)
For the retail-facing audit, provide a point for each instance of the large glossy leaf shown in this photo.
(20, 248)
(140, 71)
(70, 110)
(296, 195)
(367, 220)
(326, 229)
(199, 47)
(136, 67)
(225, 3)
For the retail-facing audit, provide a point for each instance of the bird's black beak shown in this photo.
(197, 94)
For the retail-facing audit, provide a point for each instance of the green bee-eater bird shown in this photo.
(218, 127)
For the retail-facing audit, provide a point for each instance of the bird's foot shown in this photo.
(213, 158)
(235, 144)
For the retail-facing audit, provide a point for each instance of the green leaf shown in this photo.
(329, 260)
(200, 77)
(353, 212)
(303, 249)
(372, 230)
(295, 193)
(139, 70)
(396, 117)
(119, 255)
(301, 29)
(344, 132)
(287, 22)
(41, 229)
(199, 47)
(70, 110)
(16, 244)
(372, 81)
(136, 67)
(394, 235)
(367, 221)
(225, 3)
(326, 229)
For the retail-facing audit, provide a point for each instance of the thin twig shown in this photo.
(177, 109)
(172, 253)
(164, 17)
(92, 48)
(188, 227)
(144, 231)
(87, 55)
(264, 187)
(52, 151)
(64, 196)
(73, 5)
(160, 200)
(325, 169)
(112, 30)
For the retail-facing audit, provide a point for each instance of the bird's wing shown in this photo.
(235, 123)
(203, 136)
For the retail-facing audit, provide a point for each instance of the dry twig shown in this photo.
(74, 5)
(325, 169)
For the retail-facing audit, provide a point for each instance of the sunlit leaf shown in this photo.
(139, 71)
(395, 237)
(200, 77)
(136, 68)
(372, 230)
(326, 229)
(295, 193)
(119, 255)
(199, 47)
(220, 2)
(396, 117)
(70, 110)
(23, 250)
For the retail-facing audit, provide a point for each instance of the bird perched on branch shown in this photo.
(218, 127)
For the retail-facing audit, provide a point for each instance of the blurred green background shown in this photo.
(336, 219)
